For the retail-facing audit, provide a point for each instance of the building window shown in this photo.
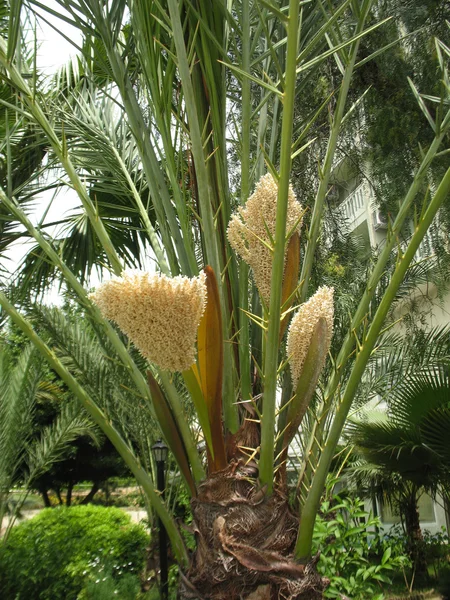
(391, 516)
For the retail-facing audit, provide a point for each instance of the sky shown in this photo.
(54, 50)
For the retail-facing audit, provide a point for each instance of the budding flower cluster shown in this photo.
(302, 328)
(159, 314)
(251, 224)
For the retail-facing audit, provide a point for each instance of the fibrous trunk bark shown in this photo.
(245, 543)
(416, 548)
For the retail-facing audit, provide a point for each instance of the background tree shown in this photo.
(84, 462)
(403, 451)
(84, 459)
(23, 456)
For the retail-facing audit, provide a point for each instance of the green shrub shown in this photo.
(51, 556)
(103, 585)
(342, 534)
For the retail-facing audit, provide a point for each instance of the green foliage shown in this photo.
(83, 462)
(53, 555)
(106, 497)
(102, 584)
(343, 534)
(432, 546)
(411, 440)
(405, 452)
(436, 549)
(97, 366)
(394, 128)
(181, 509)
(444, 583)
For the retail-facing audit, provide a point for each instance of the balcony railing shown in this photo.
(356, 208)
(355, 205)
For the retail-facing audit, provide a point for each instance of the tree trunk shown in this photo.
(58, 495)
(69, 493)
(245, 543)
(446, 499)
(45, 498)
(416, 548)
(94, 489)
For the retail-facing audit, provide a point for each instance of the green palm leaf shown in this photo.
(410, 440)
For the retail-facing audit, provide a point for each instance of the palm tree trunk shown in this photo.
(410, 511)
(245, 543)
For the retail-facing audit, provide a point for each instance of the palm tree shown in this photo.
(23, 457)
(404, 452)
(138, 127)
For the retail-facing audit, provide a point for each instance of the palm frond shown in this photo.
(94, 363)
(19, 386)
(71, 423)
(409, 441)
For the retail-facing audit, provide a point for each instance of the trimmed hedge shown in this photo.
(51, 556)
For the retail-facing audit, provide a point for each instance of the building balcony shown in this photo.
(355, 207)
(360, 212)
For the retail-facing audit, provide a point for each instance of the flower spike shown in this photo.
(159, 314)
(303, 326)
(251, 230)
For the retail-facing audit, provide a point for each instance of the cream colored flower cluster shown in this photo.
(159, 314)
(302, 327)
(249, 225)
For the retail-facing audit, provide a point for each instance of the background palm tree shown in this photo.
(23, 457)
(404, 451)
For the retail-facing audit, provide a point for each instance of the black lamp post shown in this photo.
(160, 451)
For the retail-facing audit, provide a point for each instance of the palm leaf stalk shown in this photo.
(244, 345)
(210, 239)
(154, 241)
(172, 235)
(314, 230)
(172, 70)
(266, 463)
(183, 425)
(150, 56)
(212, 253)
